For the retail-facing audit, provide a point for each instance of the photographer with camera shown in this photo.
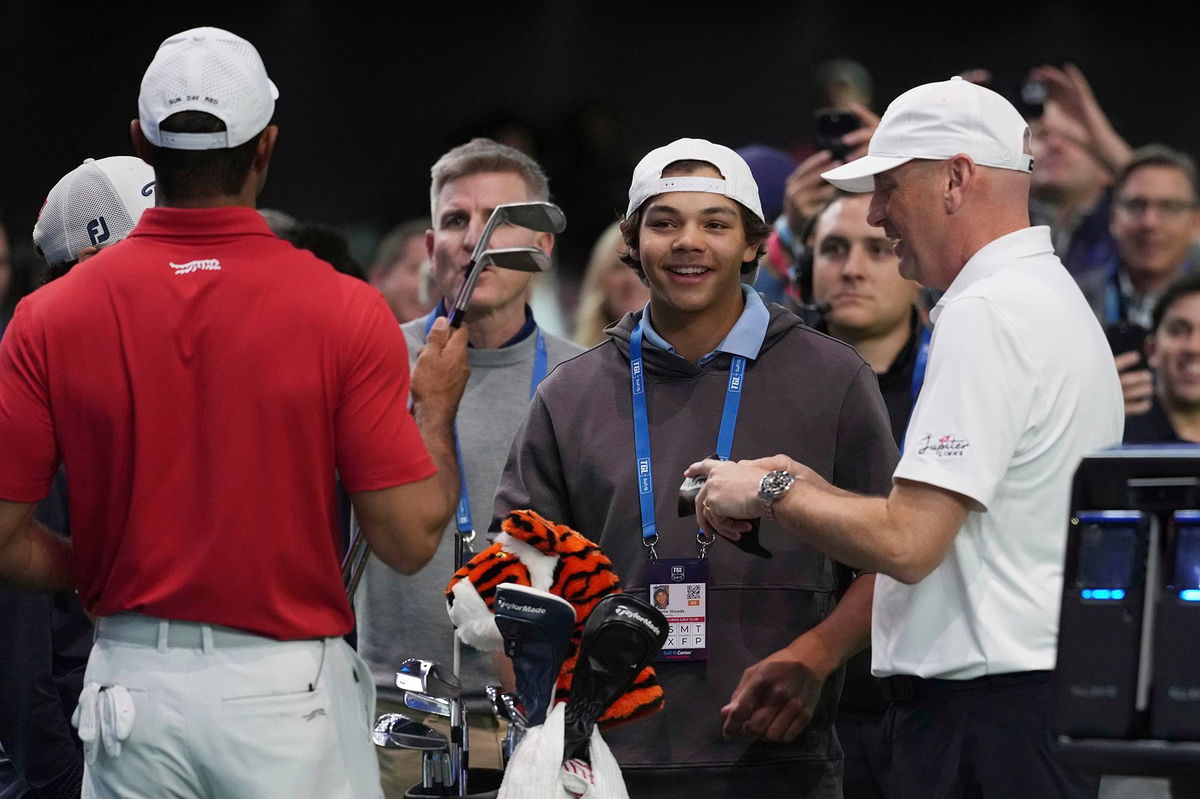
(841, 127)
(1155, 218)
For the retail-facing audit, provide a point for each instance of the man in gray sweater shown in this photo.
(402, 617)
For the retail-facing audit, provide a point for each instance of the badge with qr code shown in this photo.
(679, 589)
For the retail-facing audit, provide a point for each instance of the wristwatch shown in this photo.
(771, 488)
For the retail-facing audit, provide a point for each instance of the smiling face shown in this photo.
(1154, 221)
(855, 271)
(1174, 354)
(691, 246)
(460, 214)
(906, 205)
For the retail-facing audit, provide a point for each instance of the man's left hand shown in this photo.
(775, 699)
(730, 493)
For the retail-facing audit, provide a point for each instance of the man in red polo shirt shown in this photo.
(201, 384)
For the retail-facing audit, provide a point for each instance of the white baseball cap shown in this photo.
(736, 181)
(937, 121)
(94, 205)
(209, 70)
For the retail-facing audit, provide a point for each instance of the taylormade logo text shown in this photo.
(513, 606)
(633, 614)
(199, 265)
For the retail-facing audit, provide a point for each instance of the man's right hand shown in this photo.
(1137, 385)
(806, 191)
(441, 372)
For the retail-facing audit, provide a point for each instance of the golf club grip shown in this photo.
(455, 317)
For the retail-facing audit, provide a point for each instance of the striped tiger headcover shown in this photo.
(552, 557)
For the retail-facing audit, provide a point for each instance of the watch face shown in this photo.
(775, 483)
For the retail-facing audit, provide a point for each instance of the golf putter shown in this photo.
(620, 638)
(537, 215)
(536, 627)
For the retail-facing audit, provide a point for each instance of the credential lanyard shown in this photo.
(641, 429)
(918, 375)
(462, 516)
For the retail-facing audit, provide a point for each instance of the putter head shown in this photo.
(429, 678)
(518, 259)
(536, 627)
(394, 731)
(539, 215)
(427, 704)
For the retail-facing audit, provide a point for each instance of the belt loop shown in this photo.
(206, 638)
(164, 628)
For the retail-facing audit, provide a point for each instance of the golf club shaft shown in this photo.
(354, 563)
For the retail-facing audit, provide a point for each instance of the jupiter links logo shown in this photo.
(199, 265)
(947, 446)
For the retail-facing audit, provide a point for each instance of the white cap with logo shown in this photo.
(937, 121)
(94, 205)
(736, 181)
(209, 70)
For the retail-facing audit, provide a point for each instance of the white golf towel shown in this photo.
(536, 768)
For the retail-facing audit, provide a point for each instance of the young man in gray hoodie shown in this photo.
(708, 366)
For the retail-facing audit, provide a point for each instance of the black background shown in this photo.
(372, 93)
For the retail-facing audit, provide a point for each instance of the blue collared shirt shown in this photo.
(745, 338)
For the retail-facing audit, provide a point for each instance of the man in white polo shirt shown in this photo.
(969, 545)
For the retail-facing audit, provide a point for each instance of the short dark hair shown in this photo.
(195, 174)
(757, 230)
(1184, 286)
(1159, 155)
(327, 243)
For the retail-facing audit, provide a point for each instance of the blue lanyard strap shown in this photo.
(462, 515)
(641, 437)
(918, 375)
(641, 427)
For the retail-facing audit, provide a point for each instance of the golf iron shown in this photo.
(434, 680)
(537, 215)
(395, 731)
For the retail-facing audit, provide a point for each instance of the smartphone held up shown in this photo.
(831, 125)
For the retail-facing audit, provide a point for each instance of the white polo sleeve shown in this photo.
(975, 403)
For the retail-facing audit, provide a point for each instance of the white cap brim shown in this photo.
(858, 176)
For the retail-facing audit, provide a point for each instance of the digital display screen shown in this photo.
(1106, 557)
(1187, 557)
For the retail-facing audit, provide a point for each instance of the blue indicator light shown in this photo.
(1190, 595)
(1110, 593)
